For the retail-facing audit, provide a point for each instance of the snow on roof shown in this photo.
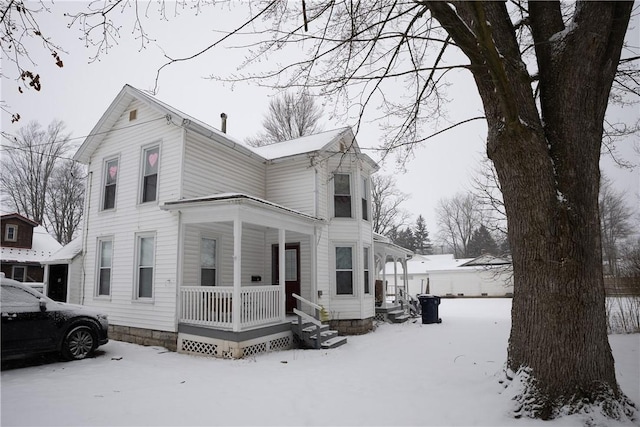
(66, 253)
(43, 246)
(422, 264)
(305, 144)
(235, 196)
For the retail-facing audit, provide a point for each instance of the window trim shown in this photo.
(343, 195)
(143, 156)
(24, 273)
(353, 269)
(103, 191)
(99, 267)
(216, 256)
(14, 229)
(366, 268)
(137, 266)
(364, 206)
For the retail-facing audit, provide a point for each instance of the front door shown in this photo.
(57, 287)
(291, 272)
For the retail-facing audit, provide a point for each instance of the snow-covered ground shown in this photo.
(408, 374)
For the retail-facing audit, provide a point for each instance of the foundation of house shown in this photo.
(352, 326)
(148, 337)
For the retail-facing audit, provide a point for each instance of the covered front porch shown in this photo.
(241, 259)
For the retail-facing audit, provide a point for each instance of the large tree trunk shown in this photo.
(548, 166)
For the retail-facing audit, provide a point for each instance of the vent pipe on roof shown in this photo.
(223, 116)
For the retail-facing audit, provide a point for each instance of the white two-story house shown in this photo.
(194, 241)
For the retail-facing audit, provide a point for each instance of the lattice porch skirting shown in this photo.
(195, 344)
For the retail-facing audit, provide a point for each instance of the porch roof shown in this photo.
(384, 246)
(229, 206)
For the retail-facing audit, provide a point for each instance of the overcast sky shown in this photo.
(80, 92)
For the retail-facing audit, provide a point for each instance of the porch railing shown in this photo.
(212, 306)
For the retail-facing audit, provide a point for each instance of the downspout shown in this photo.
(87, 209)
(178, 281)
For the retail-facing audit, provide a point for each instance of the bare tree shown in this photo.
(290, 116)
(457, 218)
(387, 213)
(28, 165)
(615, 218)
(545, 133)
(18, 29)
(65, 198)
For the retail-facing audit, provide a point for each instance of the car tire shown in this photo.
(79, 343)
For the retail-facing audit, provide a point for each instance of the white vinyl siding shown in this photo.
(253, 260)
(130, 218)
(213, 168)
(292, 184)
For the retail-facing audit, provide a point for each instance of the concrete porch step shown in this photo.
(334, 342)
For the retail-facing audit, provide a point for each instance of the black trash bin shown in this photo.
(429, 305)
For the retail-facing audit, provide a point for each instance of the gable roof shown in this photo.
(307, 144)
(66, 253)
(20, 217)
(122, 101)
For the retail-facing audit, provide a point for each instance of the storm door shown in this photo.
(291, 273)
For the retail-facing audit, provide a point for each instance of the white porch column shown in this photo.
(237, 273)
(395, 277)
(384, 279)
(281, 271)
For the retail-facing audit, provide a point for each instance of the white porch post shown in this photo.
(281, 271)
(237, 273)
(395, 277)
(384, 279)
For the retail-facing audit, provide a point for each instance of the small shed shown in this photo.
(447, 276)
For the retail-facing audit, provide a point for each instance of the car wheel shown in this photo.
(79, 343)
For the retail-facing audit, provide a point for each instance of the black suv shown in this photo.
(33, 323)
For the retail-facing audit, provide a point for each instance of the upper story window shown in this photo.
(110, 182)
(208, 262)
(144, 266)
(365, 198)
(342, 195)
(105, 252)
(344, 270)
(151, 159)
(11, 233)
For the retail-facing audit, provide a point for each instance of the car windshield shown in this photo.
(13, 295)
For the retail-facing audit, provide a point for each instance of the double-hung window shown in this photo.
(19, 273)
(342, 195)
(105, 254)
(365, 199)
(208, 266)
(11, 233)
(144, 266)
(110, 182)
(151, 159)
(365, 263)
(344, 270)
